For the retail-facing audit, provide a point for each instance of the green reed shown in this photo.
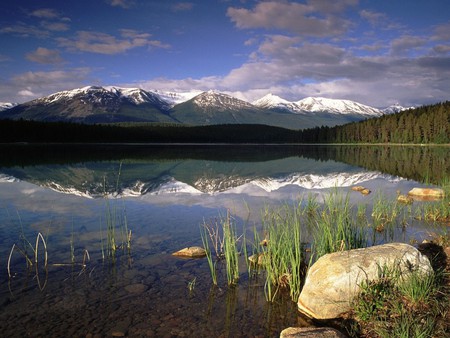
(211, 263)
(336, 228)
(221, 234)
(230, 248)
(282, 250)
(118, 234)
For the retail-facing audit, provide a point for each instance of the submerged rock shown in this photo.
(191, 252)
(333, 282)
(311, 332)
(405, 199)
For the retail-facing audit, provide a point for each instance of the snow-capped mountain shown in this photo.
(318, 105)
(174, 98)
(396, 108)
(7, 105)
(219, 101)
(95, 104)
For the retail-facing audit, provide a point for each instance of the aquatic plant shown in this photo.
(118, 235)
(191, 285)
(282, 251)
(336, 229)
(205, 235)
(230, 249)
(28, 259)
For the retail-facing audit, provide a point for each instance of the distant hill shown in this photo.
(94, 104)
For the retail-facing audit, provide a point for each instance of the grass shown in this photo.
(336, 228)
(396, 307)
(118, 235)
(282, 250)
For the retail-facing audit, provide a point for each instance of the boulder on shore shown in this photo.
(334, 280)
(191, 252)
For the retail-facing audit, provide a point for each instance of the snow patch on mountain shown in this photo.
(395, 108)
(321, 104)
(317, 105)
(174, 98)
(7, 105)
(271, 101)
(213, 99)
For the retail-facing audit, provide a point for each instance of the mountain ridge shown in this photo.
(109, 104)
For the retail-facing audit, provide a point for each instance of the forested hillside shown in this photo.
(427, 124)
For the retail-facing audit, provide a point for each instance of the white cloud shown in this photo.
(33, 84)
(45, 13)
(121, 3)
(182, 6)
(45, 56)
(315, 18)
(102, 43)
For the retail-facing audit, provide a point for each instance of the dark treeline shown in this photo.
(62, 132)
(427, 124)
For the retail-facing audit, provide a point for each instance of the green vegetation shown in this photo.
(281, 253)
(391, 306)
(335, 228)
(395, 306)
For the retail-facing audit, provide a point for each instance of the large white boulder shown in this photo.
(333, 282)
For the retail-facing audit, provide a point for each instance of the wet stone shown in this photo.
(136, 288)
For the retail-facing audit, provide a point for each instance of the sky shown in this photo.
(376, 52)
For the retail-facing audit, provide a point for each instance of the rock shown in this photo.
(311, 332)
(365, 191)
(333, 281)
(361, 189)
(136, 288)
(191, 252)
(427, 193)
(405, 199)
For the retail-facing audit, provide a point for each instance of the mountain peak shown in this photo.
(219, 101)
(335, 106)
(269, 101)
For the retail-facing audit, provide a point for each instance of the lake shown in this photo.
(152, 200)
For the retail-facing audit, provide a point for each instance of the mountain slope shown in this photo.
(94, 105)
(218, 108)
(114, 104)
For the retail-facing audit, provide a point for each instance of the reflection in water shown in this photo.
(166, 192)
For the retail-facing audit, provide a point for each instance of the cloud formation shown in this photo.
(102, 43)
(315, 18)
(45, 56)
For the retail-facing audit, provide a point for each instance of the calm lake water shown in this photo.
(71, 194)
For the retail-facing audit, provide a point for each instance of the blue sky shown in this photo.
(377, 52)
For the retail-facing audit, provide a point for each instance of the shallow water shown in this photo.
(165, 193)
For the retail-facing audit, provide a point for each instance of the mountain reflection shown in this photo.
(93, 171)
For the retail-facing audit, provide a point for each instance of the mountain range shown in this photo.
(94, 104)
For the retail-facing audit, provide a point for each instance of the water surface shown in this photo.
(165, 193)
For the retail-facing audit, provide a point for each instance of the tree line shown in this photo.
(427, 124)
